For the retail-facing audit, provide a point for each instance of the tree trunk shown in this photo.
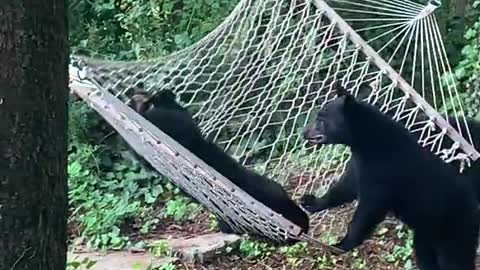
(460, 7)
(33, 134)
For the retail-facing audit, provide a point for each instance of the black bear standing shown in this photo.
(394, 173)
(165, 113)
(345, 190)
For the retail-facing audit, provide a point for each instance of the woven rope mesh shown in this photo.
(238, 209)
(255, 81)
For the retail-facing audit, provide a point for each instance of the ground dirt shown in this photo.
(197, 247)
(376, 253)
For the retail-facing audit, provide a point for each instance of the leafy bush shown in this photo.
(402, 254)
(139, 29)
(75, 264)
(108, 188)
(251, 248)
(181, 208)
(467, 72)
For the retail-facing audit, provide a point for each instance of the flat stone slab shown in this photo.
(119, 260)
(200, 248)
(203, 247)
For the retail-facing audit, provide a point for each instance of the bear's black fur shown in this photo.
(160, 109)
(164, 112)
(394, 174)
(345, 191)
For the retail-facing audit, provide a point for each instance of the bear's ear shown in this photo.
(164, 97)
(140, 101)
(342, 92)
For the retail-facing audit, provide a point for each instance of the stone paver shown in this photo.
(201, 248)
(120, 260)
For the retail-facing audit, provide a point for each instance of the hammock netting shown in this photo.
(253, 83)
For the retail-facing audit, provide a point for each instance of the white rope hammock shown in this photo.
(254, 82)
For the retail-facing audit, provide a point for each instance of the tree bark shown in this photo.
(460, 7)
(33, 134)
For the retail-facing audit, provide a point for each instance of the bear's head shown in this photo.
(163, 111)
(142, 101)
(330, 125)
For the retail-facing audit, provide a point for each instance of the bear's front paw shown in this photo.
(339, 246)
(311, 203)
(337, 249)
(343, 245)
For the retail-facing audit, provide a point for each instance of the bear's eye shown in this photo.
(321, 114)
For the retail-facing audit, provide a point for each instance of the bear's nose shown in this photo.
(306, 133)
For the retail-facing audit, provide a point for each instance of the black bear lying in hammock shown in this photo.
(164, 112)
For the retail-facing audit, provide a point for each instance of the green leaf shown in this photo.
(74, 168)
(149, 198)
(460, 72)
(90, 264)
(471, 33)
(182, 40)
(131, 176)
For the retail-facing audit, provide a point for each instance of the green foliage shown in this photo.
(325, 262)
(109, 192)
(84, 264)
(140, 29)
(402, 254)
(294, 253)
(181, 208)
(328, 238)
(471, 57)
(167, 266)
(254, 249)
(161, 248)
(467, 72)
(294, 250)
(213, 221)
(81, 117)
(108, 188)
